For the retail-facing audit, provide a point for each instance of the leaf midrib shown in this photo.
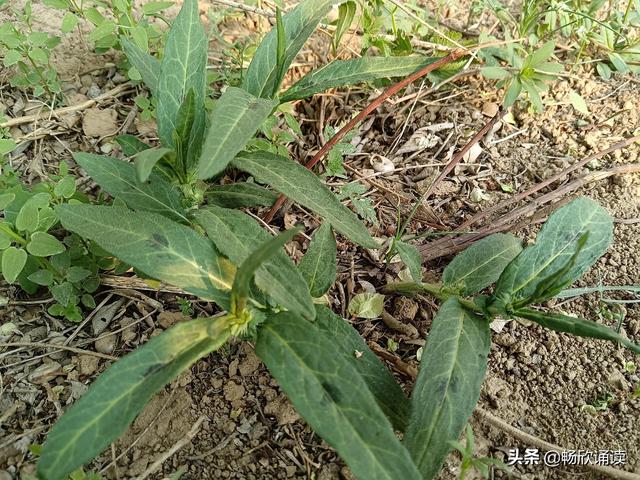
(126, 393)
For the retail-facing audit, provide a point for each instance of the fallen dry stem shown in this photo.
(554, 178)
(452, 244)
(59, 112)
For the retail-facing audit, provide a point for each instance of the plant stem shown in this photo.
(389, 92)
(436, 290)
(4, 228)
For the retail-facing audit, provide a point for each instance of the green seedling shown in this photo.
(116, 21)
(30, 250)
(29, 52)
(469, 462)
(598, 404)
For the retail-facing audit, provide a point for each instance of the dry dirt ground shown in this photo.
(227, 413)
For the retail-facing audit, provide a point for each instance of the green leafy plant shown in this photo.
(29, 51)
(31, 252)
(116, 21)
(453, 362)
(159, 225)
(530, 73)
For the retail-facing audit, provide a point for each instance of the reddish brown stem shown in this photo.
(389, 92)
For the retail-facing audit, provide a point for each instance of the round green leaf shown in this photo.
(65, 187)
(6, 146)
(13, 261)
(69, 22)
(11, 58)
(76, 274)
(27, 219)
(41, 277)
(43, 245)
(6, 199)
(5, 241)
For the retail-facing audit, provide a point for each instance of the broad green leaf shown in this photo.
(59, 4)
(158, 247)
(41, 277)
(513, 92)
(411, 258)
(7, 145)
(494, 73)
(234, 120)
(6, 199)
(5, 240)
(131, 145)
(326, 388)
(62, 293)
(27, 219)
(119, 178)
(264, 75)
(481, 264)
(555, 247)
(65, 188)
(304, 187)
(345, 72)
(102, 414)
(366, 305)
(318, 266)
(576, 326)
(236, 234)
(147, 159)
(540, 56)
(246, 271)
(183, 68)
(448, 386)
(148, 65)
(380, 381)
(69, 22)
(240, 195)
(43, 245)
(13, 261)
(152, 8)
(346, 13)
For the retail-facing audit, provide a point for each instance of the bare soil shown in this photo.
(538, 381)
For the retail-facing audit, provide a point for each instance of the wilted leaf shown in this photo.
(366, 305)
